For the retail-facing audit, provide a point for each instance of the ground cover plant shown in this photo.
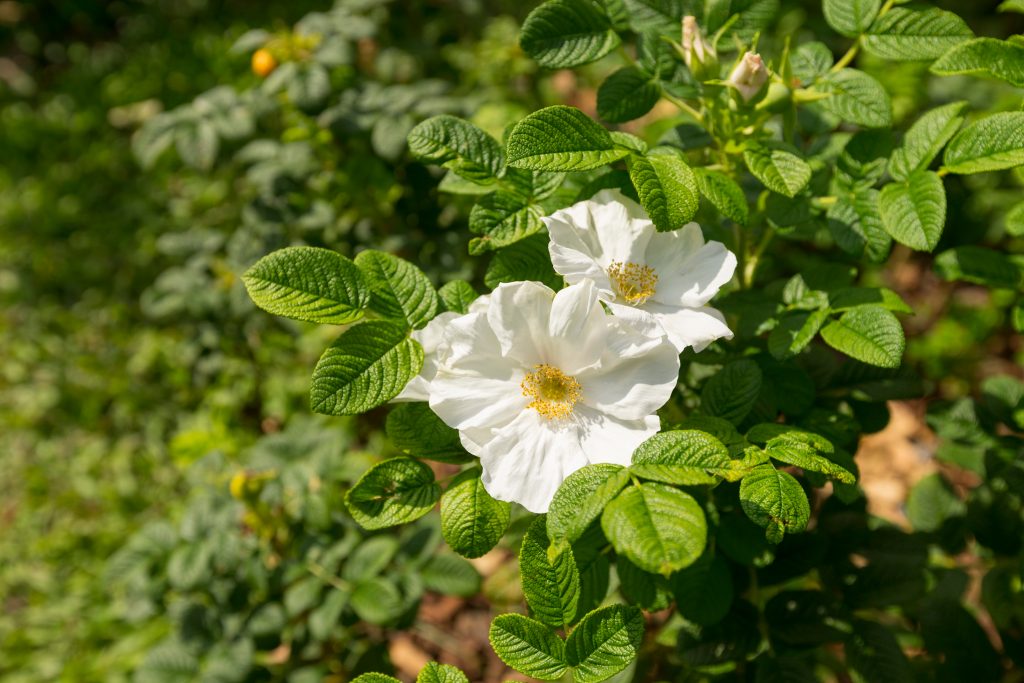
(611, 292)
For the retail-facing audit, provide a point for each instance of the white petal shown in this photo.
(469, 401)
(574, 260)
(430, 338)
(527, 460)
(689, 327)
(518, 314)
(608, 227)
(609, 439)
(418, 389)
(578, 327)
(689, 272)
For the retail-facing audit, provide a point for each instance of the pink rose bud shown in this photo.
(696, 50)
(749, 76)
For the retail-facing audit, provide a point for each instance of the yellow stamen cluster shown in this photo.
(553, 392)
(634, 282)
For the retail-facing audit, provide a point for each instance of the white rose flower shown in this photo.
(540, 384)
(430, 338)
(642, 274)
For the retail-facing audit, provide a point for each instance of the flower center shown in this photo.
(634, 282)
(553, 392)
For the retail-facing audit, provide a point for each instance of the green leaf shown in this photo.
(682, 458)
(925, 139)
(775, 501)
(417, 431)
(659, 528)
(472, 522)
(375, 678)
(662, 15)
(802, 449)
(869, 334)
(581, 498)
(931, 502)
(307, 283)
(502, 218)
(561, 138)
(449, 574)
(989, 144)
(914, 211)
(627, 94)
(978, 265)
(367, 366)
(457, 145)
(904, 34)
(1011, 6)
(326, 616)
(704, 590)
(398, 289)
(528, 646)
(873, 651)
(551, 582)
(779, 170)
(527, 259)
(850, 17)
(851, 297)
(457, 295)
(732, 391)
(565, 33)
(377, 601)
(856, 97)
(723, 192)
(666, 186)
(310, 86)
(392, 492)
(984, 57)
(441, 673)
(604, 643)
(811, 61)
(856, 225)
(795, 331)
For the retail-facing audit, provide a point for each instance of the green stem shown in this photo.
(848, 57)
(684, 106)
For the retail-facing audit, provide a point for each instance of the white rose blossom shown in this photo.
(749, 75)
(541, 384)
(430, 338)
(643, 275)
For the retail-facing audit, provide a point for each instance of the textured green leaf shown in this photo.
(417, 431)
(581, 498)
(441, 673)
(704, 590)
(856, 97)
(914, 211)
(394, 491)
(851, 297)
(377, 601)
(627, 94)
(565, 33)
(551, 582)
(666, 186)
(779, 170)
(869, 334)
(604, 643)
(800, 449)
(855, 223)
(659, 528)
(527, 259)
(457, 295)
(661, 15)
(723, 192)
(528, 646)
(905, 34)
(850, 17)
(307, 283)
(366, 366)
(502, 218)
(1015, 220)
(978, 265)
(931, 502)
(398, 289)
(795, 331)
(682, 457)
(472, 522)
(732, 392)
(925, 139)
(449, 574)
(457, 145)
(989, 144)
(561, 138)
(775, 501)
(810, 61)
(375, 678)
(984, 57)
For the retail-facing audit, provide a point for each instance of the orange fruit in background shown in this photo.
(263, 62)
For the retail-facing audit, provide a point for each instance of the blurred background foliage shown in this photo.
(169, 512)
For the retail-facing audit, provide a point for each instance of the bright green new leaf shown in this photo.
(850, 17)
(627, 94)
(682, 457)
(457, 145)
(561, 138)
(984, 57)
(666, 186)
(869, 334)
(308, 283)
(775, 501)
(398, 289)
(856, 97)
(905, 34)
(723, 192)
(914, 211)
(780, 171)
(528, 646)
(581, 498)
(375, 678)
(1011, 6)
(659, 528)
(604, 643)
(441, 673)
(394, 491)
(564, 33)
(551, 582)
(979, 265)
(502, 218)
(367, 366)
(989, 144)
(732, 392)
(802, 449)
(925, 139)
(472, 522)
(457, 295)
(417, 431)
